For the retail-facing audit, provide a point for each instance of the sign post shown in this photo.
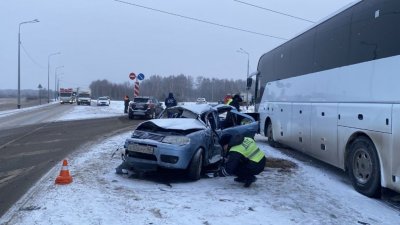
(136, 90)
(133, 76)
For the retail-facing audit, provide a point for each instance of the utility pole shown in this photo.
(19, 59)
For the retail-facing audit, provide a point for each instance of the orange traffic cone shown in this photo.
(64, 177)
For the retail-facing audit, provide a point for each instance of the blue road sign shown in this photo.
(140, 76)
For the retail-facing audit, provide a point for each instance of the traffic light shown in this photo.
(249, 82)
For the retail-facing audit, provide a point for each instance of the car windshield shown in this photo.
(84, 95)
(103, 98)
(140, 100)
(65, 94)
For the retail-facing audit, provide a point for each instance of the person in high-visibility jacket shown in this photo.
(243, 159)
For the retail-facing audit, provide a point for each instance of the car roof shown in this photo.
(144, 97)
(198, 108)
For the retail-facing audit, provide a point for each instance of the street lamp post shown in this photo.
(248, 68)
(58, 80)
(19, 59)
(55, 82)
(48, 75)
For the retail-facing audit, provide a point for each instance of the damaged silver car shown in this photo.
(184, 137)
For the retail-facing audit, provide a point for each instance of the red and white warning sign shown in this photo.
(136, 90)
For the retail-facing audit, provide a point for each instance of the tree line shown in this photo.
(184, 88)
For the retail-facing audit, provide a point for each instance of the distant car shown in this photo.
(187, 141)
(103, 101)
(145, 106)
(201, 101)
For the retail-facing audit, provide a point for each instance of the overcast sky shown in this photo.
(106, 39)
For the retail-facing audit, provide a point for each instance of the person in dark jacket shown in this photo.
(126, 103)
(236, 100)
(170, 101)
(243, 159)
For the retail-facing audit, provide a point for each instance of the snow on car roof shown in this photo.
(198, 109)
(178, 123)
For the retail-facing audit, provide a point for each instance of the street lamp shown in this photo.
(248, 68)
(48, 75)
(55, 82)
(19, 59)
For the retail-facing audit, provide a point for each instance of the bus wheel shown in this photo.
(363, 167)
(269, 134)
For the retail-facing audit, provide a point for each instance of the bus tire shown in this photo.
(195, 166)
(269, 134)
(363, 167)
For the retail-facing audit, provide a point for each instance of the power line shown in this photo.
(256, 6)
(30, 57)
(200, 20)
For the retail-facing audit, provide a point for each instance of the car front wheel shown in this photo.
(130, 115)
(194, 170)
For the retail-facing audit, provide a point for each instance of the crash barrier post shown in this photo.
(64, 177)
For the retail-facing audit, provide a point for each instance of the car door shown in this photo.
(159, 107)
(244, 124)
(214, 151)
(231, 119)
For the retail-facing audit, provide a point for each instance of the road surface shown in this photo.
(33, 146)
(28, 116)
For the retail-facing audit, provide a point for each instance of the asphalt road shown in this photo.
(33, 116)
(27, 152)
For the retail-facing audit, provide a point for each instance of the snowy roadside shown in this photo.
(97, 195)
(303, 195)
(116, 108)
(14, 111)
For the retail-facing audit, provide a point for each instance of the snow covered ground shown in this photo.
(301, 195)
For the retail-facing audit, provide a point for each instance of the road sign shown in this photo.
(136, 90)
(140, 76)
(132, 76)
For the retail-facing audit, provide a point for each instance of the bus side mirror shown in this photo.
(249, 82)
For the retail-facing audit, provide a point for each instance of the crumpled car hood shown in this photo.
(178, 123)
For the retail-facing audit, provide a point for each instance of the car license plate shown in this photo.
(141, 148)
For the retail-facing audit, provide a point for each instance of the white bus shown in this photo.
(333, 92)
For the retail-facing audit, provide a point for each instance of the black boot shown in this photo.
(240, 179)
(249, 181)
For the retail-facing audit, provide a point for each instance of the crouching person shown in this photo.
(243, 158)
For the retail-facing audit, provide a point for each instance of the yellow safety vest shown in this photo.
(229, 101)
(249, 149)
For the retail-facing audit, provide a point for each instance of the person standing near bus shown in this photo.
(228, 99)
(236, 100)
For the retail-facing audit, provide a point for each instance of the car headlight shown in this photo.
(176, 140)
